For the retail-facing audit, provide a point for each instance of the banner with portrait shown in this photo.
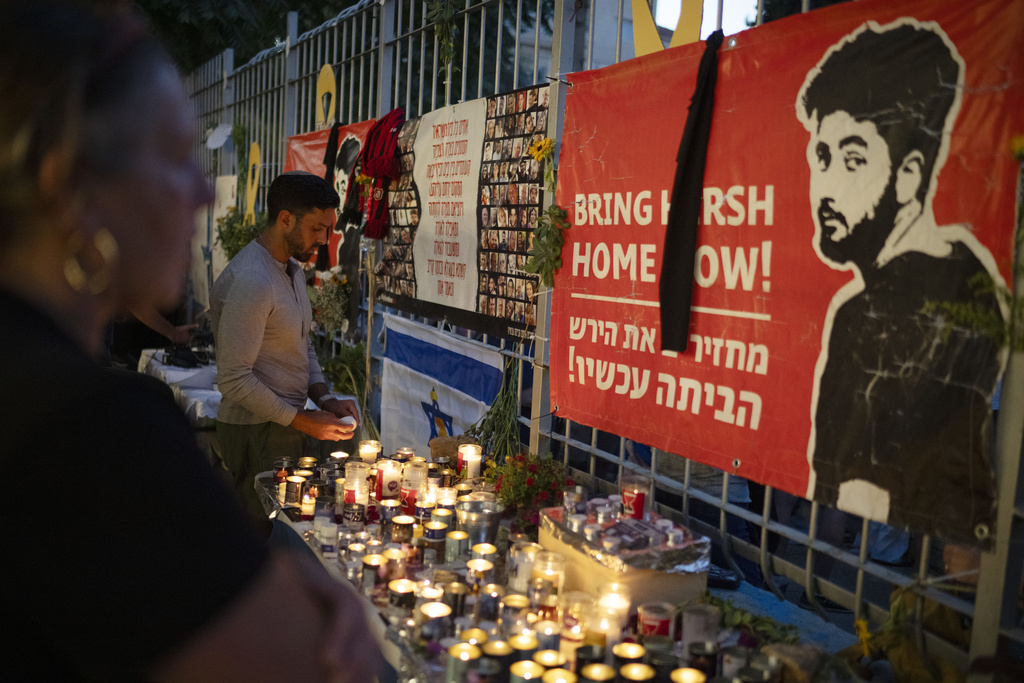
(462, 214)
(307, 152)
(855, 231)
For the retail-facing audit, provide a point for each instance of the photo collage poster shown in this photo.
(462, 214)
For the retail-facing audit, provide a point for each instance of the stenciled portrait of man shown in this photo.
(901, 418)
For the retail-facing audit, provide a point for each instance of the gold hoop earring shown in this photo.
(106, 246)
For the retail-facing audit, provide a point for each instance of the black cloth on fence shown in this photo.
(676, 284)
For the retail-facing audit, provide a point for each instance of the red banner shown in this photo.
(859, 188)
(306, 153)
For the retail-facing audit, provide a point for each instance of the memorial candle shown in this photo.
(470, 458)
(368, 451)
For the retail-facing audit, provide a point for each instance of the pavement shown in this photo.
(813, 629)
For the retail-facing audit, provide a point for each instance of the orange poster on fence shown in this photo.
(857, 219)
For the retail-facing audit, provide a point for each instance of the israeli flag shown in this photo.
(433, 384)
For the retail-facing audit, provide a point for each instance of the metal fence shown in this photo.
(385, 54)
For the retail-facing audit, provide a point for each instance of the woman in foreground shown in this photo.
(123, 557)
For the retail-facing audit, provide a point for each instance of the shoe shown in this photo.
(722, 578)
(823, 602)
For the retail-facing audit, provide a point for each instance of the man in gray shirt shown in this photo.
(266, 365)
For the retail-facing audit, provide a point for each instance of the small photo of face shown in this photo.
(510, 102)
(501, 286)
(534, 194)
(521, 100)
(481, 306)
(493, 238)
(503, 217)
(414, 217)
(517, 148)
(503, 243)
(501, 308)
(483, 261)
(406, 236)
(492, 307)
(492, 261)
(534, 170)
(485, 217)
(522, 218)
(492, 107)
(542, 120)
(531, 124)
(513, 241)
(519, 312)
(520, 290)
(532, 222)
(501, 107)
(513, 217)
(513, 194)
(485, 195)
(488, 150)
(544, 93)
(503, 175)
(490, 128)
(506, 148)
(531, 98)
(499, 128)
(495, 173)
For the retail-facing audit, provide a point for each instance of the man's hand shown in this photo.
(182, 334)
(346, 408)
(322, 425)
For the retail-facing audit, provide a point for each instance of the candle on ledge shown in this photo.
(549, 659)
(617, 597)
(627, 653)
(389, 479)
(548, 635)
(523, 646)
(474, 636)
(446, 497)
(308, 505)
(434, 617)
(461, 658)
(597, 673)
(478, 573)
(456, 545)
(402, 594)
(636, 672)
(550, 566)
(559, 675)
(485, 551)
(500, 651)
(470, 459)
(687, 675)
(429, 593)
(368, 451)
(525, 670)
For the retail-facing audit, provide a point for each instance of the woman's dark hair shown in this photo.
(66, 72)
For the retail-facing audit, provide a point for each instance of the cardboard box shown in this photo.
(669, 574)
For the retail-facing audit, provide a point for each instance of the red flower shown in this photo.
(544, 496)
(570, 482)
(532, 467)
(529, 482)
(520, 458)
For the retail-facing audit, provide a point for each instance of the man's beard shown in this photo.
(864, 240)
(296, 248)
